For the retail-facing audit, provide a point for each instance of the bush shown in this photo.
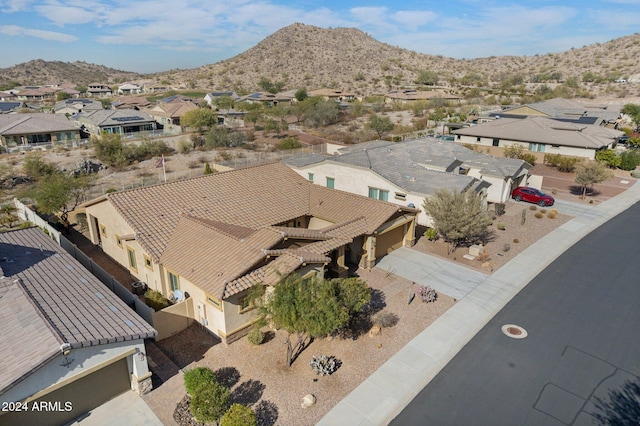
(184, 146)
(562, 163)
(210, 402)
(198, 377)
(543, 211)
(426, 293)
(552, 215)
(256, 336)
(516, 241)
(499, 208)
(155, 300)
(323, 365)
(239, 415)
(629, 160)
(385, 319)
(501, 226)
(539, 215)
(533, 208)
(529, 158)
(290, 142)
(431, 234)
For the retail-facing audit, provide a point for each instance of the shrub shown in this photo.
(155, 299)
(239, 415)
(384, 319)
(210, 402)
(499, 208)
(629, 160)
(516, 241)
(324, 365)
(184, 146)
(256, 336)
(198, 377)
(501, 226)
(539, 215)
(529, 158)
(426, 293)
(431, 234)
(533, 208)
(554, 211)
(110, 190)
(543, 211)
(290, 142)
(552, 215)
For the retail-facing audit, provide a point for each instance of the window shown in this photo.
(118, 240)
(311, 177)
(147, 262)
(478, 139)
(536, 147)
(331, 182)
(103, 230)
(496, 142)
(174, 281)
(131, 254)
(378, 194)
(244, 304)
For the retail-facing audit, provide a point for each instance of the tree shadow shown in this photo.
(266, 413)
(269, 335)
(361, 322)
(247, 393)
(577, 190)
(623, 406)
(227, 376)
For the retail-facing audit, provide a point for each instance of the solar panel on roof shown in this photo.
(131, 118)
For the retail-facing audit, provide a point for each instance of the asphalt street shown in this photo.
(579, 363)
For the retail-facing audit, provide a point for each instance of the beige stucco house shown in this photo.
(214, 237)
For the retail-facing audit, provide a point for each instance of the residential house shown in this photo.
(35, 93)
(168, 111)
(212, 238)
(333, 94)
(132, 102)
(32, 128)
(211, 98)
(129, 89)
(8, 97)
(67, 341)
(118, 121)
(73, 106)
(407, 172)
(155, 88)
(408, 96)
(268, 99)
(99, 90)
(12, 107)
(541, 134)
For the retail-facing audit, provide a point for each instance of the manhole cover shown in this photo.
(514, 331)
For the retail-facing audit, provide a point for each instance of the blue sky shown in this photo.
(160, 35)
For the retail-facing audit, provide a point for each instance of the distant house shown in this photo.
(333, 94)
(99, 90)
(73, 106)
(8, 107)
(67, 341)
(168, 111)
(119, 121)
(268, 99)
(155, 88)
(541, 134)
(8, 97)
(210, 239)
(129, 89)
(407, 172)
(411, 95)
(212, 97)
(32, 128)
(35, 94)
(131, 102)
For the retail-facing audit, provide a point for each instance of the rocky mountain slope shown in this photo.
(306, 56)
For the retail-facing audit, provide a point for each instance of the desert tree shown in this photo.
(459, 217)
(309, 307)
(591, 173)
(427, 77)
(199, 119)
(380, 125)
(633, 111)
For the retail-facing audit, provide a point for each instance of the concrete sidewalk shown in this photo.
(386, 392)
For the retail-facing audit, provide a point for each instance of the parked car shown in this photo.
(532, 195)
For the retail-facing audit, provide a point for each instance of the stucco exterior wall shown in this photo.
(548, 149)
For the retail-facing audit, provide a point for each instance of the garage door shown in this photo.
(389, 241)
(84, 394)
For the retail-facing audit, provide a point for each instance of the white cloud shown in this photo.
(413, 18)
(16, 31)
(10, 6)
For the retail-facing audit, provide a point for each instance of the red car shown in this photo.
(532, 195)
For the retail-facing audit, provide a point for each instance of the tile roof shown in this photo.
(52, 299)
(17, 124)
(234, 217)
(109, 117)
(544, 130)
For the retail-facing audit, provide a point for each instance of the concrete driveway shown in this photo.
(126, 409)
(442, 275)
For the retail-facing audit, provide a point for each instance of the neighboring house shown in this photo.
(99, 90)
(35, 94)
(268, 99)
(407, 172)
(129, 89)
(408, 96)
(214, 237)
(73, 106)
(212, 97)
(333, 94)
(8, 97)
(67, 341)
(155, 88)
(131, 102)
(118, 121)
(9, 107)
(168, 111)
(565, 109)
(25, 129)
(541, 134)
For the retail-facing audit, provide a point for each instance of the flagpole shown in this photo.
(164, 169)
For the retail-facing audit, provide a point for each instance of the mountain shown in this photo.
(307, 56)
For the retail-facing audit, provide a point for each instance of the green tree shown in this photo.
(239, 415)
(629, 159)
(609, 157)
(36, 168)
(110, 149)
(81, 89)
(633, 111)
(307, 308)
(459, 217)
(427, 77)
(61, 96)
(200, 119)
(301, 94)
(591, 173)
(380, 125)
(207, 168)
(225, 102)
(322, 113)
(59, 193)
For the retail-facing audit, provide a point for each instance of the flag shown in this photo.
(160, 162)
